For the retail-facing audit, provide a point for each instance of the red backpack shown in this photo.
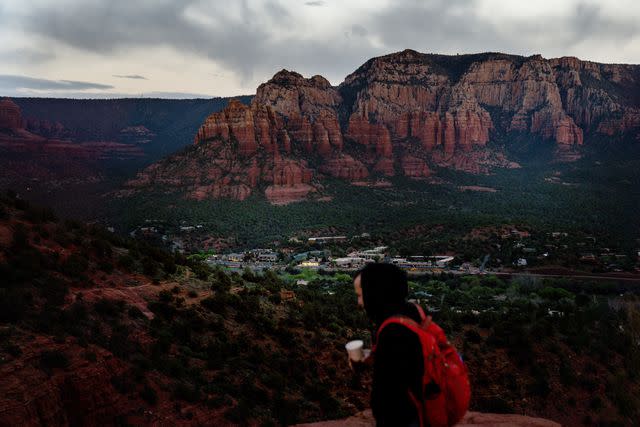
(442, 366)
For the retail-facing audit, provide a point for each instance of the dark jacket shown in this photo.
(397, 367)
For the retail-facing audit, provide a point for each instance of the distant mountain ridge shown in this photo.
(57, 149)
(171, 121)
(403, 114)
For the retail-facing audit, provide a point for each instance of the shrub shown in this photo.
(119, 343)
(497, 405)
(76, 314)
(165, 296)
(554, 294)
(217, 304)
(473, 336)
(126, 261)
(106, 266)
(186, 391)
(75, 265)
(101, 247)
(567, 376)
(122, 383)
(135, 313)
(20, 238)
(596, 403)
(53, 359)
(162, 309)
(169, 266)
(40, 215)
(540, 386)
(149, 266)
(13, 304)
(109, 307)
(149, 395)
(21, 204)
(241, 413)
(54, 291)
(286, 411)
(13, 349)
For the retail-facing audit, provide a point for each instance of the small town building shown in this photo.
(310, 263)
(235, 257)
(327, 239)
(350, 262)
(268, 257)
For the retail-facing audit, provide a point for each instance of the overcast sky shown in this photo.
(189, 48)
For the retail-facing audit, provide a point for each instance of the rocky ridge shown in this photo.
(471, 419)
(401, 114)
(38, 151)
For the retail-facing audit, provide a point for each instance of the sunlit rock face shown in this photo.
(400, 114)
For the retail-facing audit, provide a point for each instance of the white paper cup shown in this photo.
(354, 348)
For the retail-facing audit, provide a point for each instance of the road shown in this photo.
(569, 276)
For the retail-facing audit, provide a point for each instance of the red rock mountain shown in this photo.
(400, 114)
(10, 115)
(33, 151)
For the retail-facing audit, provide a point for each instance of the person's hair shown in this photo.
(384, 289)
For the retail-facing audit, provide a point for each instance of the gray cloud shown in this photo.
(456, 26)
(438, 26)
(276, 11)
(25, 56)
(106, 95)
(175, 95)
(359, 30)
(589, 21)
(245, 41)
(104, 27)
(130, 76)
(11, 82)
(252, 40)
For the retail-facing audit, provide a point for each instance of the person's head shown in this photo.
(381, 289)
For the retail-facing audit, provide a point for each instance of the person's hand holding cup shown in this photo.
(357, 354)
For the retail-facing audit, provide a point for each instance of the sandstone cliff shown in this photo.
(404, 114)
(10, 115)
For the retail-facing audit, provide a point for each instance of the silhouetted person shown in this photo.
(398, 364)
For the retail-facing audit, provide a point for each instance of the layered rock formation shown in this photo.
(345, 167)
(10, 115)
(29, 159)
(420, 96)
(18, 137)
(403, 114)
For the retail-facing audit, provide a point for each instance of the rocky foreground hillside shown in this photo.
(404, 114)
(100, 330)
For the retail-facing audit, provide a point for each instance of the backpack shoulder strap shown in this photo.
(407, 322)
(424, 320)
(399, 320)
(427, 342)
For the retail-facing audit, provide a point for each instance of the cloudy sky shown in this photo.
(189, 48)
